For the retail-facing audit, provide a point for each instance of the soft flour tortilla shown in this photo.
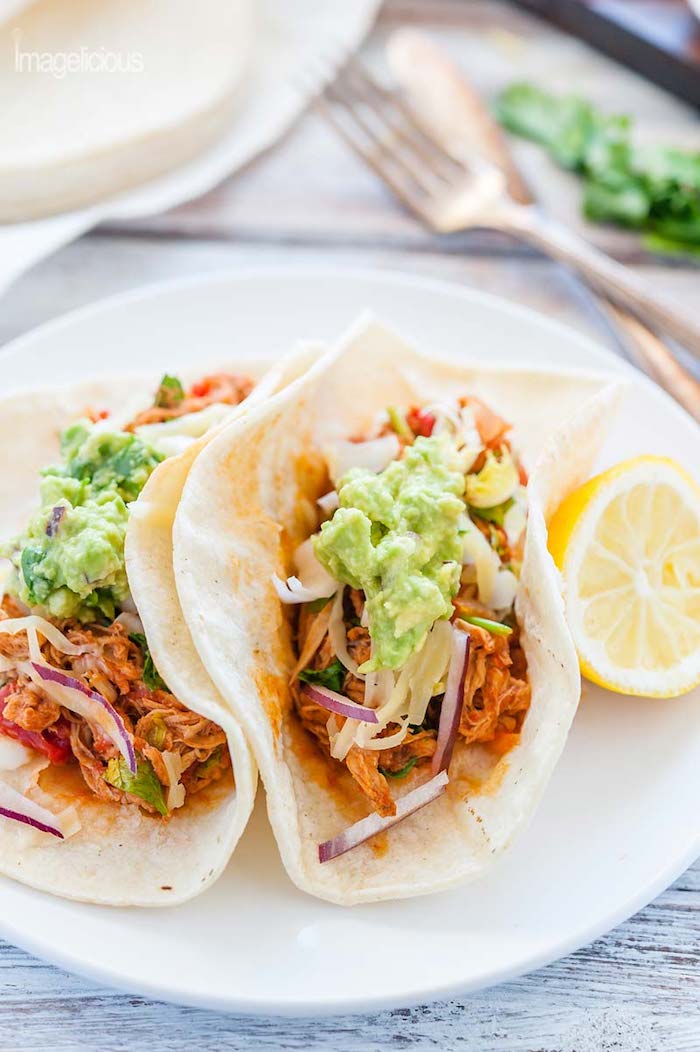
(101, 95)
(249, 501)
(121, 856)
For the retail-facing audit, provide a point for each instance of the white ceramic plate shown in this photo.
(618, 823)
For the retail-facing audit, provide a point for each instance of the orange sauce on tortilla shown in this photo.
(503, 743)
(479, 768)
(210, 797)
(311, 473)
(330, 775)
(66, 785)
(312, 481)
(379, 844)
(274, 695)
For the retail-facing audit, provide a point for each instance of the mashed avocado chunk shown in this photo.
(398, 537)
(114, 461)
(70, 559)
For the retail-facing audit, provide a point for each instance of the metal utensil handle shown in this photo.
(653, 356)
(611, 279)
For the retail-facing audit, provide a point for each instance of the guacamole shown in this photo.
(70, 559)
(398, 537)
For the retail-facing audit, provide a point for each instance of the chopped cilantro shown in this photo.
(331, 677)
(399, 424)
(155, 735)
(151, 676)
(170, 393)
(402, 772)
(318, 604)
(144, 783)
(496, 514)
(212, 761)
(496, 628)
(653, 188)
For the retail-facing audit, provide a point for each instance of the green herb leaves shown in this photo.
(151, 676)
(496, 628)
(402, 772)
(170, 393)
(651, 188)
(144, 783)
(331, 677)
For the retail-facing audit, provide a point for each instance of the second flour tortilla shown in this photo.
(250, 500)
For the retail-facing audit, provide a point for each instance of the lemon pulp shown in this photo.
(628, 545)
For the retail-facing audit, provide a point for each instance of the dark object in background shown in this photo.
(658, 38)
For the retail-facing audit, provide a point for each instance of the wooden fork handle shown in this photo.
(610, 279)
(653, 356)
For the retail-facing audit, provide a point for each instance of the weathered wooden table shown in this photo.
(637, 989)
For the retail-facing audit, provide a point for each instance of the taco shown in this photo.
(364, 571)
(122, 778)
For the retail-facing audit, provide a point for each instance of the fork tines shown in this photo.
(381, 128)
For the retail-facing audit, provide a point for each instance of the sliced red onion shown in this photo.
(17, 817)
(131, 622)
(92, 706)
(442, 413)
(313, 580)
(338, 635)
(373, 455)
(128, 603)
(338, 703)
(54, 522)
(16, 807)
(293, 591)
(328, 502)
(452, 702)
(373, 824)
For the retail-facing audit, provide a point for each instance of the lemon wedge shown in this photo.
(628, 546)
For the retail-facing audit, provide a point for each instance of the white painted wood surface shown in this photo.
(308, 202)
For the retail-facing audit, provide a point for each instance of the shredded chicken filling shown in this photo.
(114, 667)
(496, 689)
(496, 699)
(217, 389)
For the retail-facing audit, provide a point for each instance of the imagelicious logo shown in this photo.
(60, 64)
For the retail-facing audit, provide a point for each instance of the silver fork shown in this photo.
(450, 109)
(449, 194)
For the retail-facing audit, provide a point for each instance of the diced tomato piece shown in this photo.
(201, 388)
(228, 388)
(54, 742)
(57, 742)
(420, 422)
(492, 428)
(97, 414)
